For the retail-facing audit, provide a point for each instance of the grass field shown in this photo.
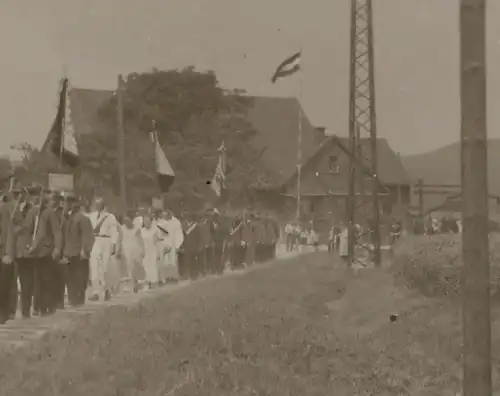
(296, 327)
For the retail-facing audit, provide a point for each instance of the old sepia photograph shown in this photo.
(249, 198)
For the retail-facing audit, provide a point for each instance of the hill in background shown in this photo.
(442, 166)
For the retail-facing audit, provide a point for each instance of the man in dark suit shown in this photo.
(78, 237)
(45, 249)
(219, 233)
(23, 229)
(7, 266)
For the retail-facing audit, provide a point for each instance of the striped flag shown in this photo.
(164, 171)
(61, 138)
(219, 179)
(288, 67)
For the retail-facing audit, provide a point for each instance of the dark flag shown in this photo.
(61, 138)
(164, 171)
(288, 67)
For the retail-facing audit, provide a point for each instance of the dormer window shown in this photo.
(333, 166)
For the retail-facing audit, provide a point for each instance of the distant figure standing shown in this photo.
(289, 237)
(344, 243)
(313, 239)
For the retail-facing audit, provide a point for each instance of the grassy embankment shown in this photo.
(297, 327)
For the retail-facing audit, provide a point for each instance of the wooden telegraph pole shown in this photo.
(475, 248)
(121, 145)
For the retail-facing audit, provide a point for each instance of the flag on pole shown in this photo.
(164, 171)
(288, 67)
(219, 179)
(61, 139)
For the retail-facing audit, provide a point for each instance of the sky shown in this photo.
(416, 58)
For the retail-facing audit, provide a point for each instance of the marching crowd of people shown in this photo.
(54, 251)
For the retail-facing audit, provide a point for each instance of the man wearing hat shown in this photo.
(78, 239)
(23, 218)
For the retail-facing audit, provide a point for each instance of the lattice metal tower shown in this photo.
(363, 205)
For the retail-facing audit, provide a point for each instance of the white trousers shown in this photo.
(169, 269)
(100, 266)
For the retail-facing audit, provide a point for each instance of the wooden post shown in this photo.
(420, 191)
(475, 249)
(121, 146)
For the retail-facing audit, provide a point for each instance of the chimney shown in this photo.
(319, 134)
(320, 131)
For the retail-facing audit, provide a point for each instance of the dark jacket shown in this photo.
(49, 233)
(24, 224)
(7, 232)
(78, 235)
(192, 240)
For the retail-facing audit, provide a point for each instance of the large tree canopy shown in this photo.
(192, 115)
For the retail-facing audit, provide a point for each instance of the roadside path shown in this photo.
(19, 332)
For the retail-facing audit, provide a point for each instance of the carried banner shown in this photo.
(61, 182)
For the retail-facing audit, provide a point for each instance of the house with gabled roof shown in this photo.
(325, 175)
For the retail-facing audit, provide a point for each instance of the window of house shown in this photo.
(312, 206)
(333, 166)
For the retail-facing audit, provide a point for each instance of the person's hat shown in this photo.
(32, 189)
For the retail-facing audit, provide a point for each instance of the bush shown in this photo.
(432, 265)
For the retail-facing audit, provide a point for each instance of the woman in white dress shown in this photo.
(132, 253)
(149, 235)
(172, 237)
(114, 273)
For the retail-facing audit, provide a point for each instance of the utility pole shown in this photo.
(362, 115)
(475, 247)
(121, 146)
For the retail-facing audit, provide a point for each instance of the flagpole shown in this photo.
(299, 141)
(121, 145)
(63, 121)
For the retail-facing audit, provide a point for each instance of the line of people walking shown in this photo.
(51, 246)
(300, 235)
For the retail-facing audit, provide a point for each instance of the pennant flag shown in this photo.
(288, 67)
(219, 179)
(61, 139)
(164, 171)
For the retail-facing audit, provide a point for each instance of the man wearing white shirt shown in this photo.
(105, 227)
(139, 220)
